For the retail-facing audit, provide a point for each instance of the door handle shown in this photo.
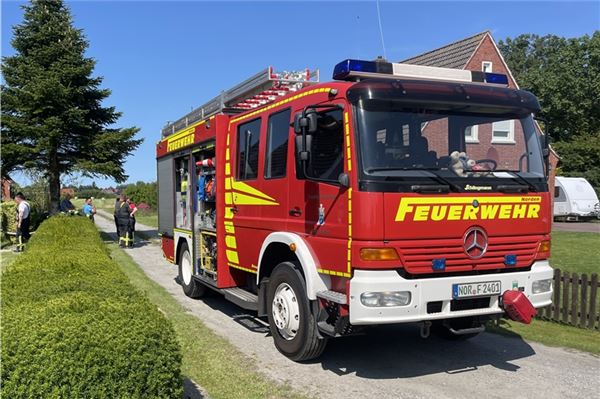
(295, 212)
(233, 209)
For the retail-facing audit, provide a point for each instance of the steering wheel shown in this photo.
(493, 163)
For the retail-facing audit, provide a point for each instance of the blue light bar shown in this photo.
(496, 78)
(438, 264)
(352, 70)
(344, 68)
(510, 260)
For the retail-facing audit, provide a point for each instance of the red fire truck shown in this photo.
(395, 193)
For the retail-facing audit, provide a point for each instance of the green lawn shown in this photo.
(107, 204)
(208, 359)
(6, 258)
(551, 334)
(149, 218)
(575, 252)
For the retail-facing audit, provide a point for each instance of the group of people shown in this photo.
(88, 210)
(125, 210)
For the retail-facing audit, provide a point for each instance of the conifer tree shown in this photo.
(53, 120)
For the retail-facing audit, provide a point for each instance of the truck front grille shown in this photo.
(417, 256)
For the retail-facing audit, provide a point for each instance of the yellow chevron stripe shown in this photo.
(243, 199)
(247, 189)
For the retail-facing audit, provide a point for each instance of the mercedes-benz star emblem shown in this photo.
(475, 242)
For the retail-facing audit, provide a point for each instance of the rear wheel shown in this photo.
(191, 287)
(291, 321)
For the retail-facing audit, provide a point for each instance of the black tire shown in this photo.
(442, 330)
(191, 287)
(305, 344)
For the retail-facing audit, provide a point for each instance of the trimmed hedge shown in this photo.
(74, 327)
(8, 216)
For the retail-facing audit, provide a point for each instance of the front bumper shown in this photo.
(437, 289)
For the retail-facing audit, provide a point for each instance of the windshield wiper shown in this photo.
(430, 188)
(421, 188)
(512, 188)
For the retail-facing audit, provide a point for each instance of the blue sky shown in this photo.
(160, 59)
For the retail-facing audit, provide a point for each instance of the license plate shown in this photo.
(469, 290)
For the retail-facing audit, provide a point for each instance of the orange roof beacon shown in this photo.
(388, 195)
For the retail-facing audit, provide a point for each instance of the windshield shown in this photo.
(463, 147)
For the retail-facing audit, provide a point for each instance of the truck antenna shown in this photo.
(380, 29)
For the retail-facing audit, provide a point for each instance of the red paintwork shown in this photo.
(168, 248)
(373, 214)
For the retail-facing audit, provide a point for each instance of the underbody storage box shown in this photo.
(518, 307)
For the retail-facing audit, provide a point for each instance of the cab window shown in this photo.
(247, 150)
(278, 133)
(327, 155)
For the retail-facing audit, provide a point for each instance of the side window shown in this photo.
(247, 150)
(277, 144)
(327, 153)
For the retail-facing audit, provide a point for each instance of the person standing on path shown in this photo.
(133, 208)
(123, 216)
(23, 211)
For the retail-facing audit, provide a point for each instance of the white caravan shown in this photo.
(575, 199)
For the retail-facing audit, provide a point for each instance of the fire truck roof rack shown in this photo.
(254, 92)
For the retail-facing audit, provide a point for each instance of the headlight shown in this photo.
(385, 299)
(540, 286)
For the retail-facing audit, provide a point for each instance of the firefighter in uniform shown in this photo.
(122, 215)
(23, 211)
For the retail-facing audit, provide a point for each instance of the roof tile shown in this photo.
(453, 55)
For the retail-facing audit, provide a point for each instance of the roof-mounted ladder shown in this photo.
(254, 92)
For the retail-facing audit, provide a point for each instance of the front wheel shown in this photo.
(191, 287)
(291, 321)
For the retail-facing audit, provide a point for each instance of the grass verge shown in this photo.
(6, 258)
(149, 218)
(576, 252)
(208, 359)
(551, 334)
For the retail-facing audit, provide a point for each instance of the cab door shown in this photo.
(320, 211)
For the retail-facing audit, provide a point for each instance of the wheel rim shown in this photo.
(286, 312)
(186, 267)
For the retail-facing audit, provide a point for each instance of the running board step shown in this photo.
(333, 296)
(241, 297)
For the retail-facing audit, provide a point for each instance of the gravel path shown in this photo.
(390, 361)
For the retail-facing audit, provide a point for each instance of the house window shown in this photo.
(503, 132)
(486, 66)
(471, 134)
(247, 151)
(277, 144)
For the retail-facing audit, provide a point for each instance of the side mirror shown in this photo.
(308, 121)
(302, 154)
(344, 180)
(545, 141)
